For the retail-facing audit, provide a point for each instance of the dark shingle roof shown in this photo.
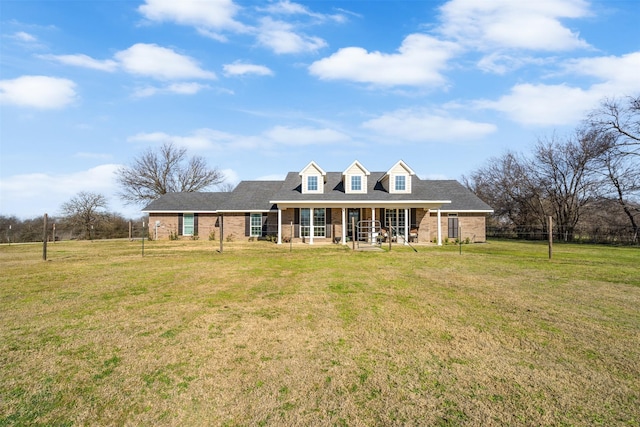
(462, 199)
(421, 190)
(258, 195)
(188, 202)
(252, 196)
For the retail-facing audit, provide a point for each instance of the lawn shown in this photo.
(261, 335)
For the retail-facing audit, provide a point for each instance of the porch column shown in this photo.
(439, 229)
(373, 225)
(279, 226)
(311, 226)
(344, 226)
(406, 226)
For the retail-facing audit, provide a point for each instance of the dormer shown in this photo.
(397, 180)
(312, 179)
(354, 179)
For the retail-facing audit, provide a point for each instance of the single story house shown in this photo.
(317, 206)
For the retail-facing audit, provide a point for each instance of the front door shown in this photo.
(353, 216)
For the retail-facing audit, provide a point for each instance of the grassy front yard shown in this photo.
(258, 335)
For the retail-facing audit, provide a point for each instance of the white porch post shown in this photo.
(373, 225)
(311, 233)
(279, 226)
(439, 230)
(344, 226)
(406, 226)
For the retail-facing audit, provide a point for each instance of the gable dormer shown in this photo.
(397, 180)
(312, 179)
(354, 178)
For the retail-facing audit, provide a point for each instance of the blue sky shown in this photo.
(262, 88)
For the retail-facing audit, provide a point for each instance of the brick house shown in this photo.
(317, 206)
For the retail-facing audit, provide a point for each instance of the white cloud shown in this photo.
(287, 7)
(230, 176)
(24, 37)
(40, 92)
(297, 136)
(545, 105)
(419, 62)
(201, 139)
(500, 63)
(561, 104)
(29, 195)
(419, 125)
(280, 37)
(80, 60)
(533, 25)
(241, 69)
(205, 15)
(619, 75)
(211, 139)
(185, 88)
(160, 63)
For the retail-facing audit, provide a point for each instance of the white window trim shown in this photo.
(251, 226)
(184, 224)
(407, 184)
(353, 179)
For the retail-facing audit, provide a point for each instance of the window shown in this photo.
(318, 222)
(312, 183)
(187, 225)
(305, 222)
(396, 219)
(401, 183)
(256, 225)
(356, 183)
(453, 226)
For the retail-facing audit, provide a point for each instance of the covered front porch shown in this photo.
(315, 222)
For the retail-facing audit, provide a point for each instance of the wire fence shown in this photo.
(596, 235)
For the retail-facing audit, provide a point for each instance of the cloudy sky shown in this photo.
(262, 88)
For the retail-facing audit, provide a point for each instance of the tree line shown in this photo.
(86, 215)
(588, 182)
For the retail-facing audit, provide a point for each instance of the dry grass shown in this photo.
(258, 335)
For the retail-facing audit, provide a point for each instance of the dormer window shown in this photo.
(312, 183)
(356, 183)
(398, 179)
(313, 179)
(354, 178)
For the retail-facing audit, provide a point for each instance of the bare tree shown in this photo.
(617, 121)
(84, 211)
(507, 185)
(621, 119)
(166, 170)
(565, 170)
(226, 187)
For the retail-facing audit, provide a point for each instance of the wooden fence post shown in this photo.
(221, 232)
(44, 239)
(550, 236)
